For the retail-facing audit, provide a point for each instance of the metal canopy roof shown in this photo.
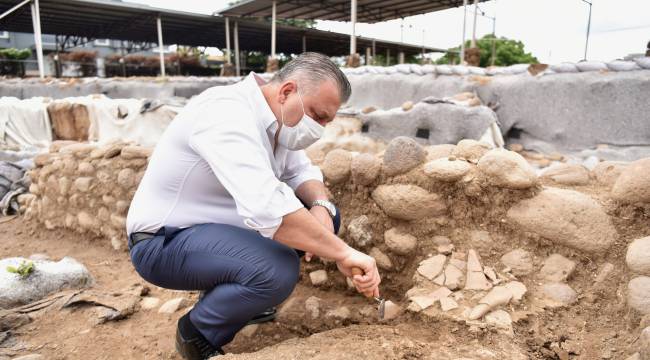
(125, 21)
(368, 11)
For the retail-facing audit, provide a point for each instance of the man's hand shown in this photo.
(368, 283)
(323, 216)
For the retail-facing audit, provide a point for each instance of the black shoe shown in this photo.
(265, 316)
(191, 344)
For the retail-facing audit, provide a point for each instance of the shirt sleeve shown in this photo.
(226, 136)
(298, 169)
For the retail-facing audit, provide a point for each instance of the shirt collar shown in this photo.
(261, 108)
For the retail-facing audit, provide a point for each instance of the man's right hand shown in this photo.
(368, 283)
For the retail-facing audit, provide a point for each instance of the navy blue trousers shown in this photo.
(242, 273)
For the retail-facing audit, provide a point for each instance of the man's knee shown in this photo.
(279, 273)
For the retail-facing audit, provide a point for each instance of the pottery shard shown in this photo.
(408, 202)
(432, 267)
(507, 169)
(447, 170)
(566, 217)
(402, 154)
(399, 243)
(336, 166)
(633, 185)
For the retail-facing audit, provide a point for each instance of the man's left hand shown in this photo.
(323, 216)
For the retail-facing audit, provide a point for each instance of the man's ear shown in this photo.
(286, 88)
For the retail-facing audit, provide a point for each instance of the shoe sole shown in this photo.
(262, 319)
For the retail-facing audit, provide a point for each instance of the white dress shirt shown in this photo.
(215, 164)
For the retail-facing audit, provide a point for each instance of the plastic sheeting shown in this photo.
(24, 124)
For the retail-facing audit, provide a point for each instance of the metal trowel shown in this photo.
(381, 301)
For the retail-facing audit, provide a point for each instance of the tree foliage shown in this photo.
(508, 52)
(15, 54)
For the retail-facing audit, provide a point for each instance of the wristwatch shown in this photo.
(327, 205)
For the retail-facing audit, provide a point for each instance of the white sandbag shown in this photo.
(417, 69)
(444, 70)
(620, 65)
(565, 67)
(475, 70)
(359, 70)
(460, 70)
(24, 124)
(643, 62)
(390, 70)
(516, 69)
(429, 69)
(403, 68)
(494, 70)
(585, 66)
(374, 70)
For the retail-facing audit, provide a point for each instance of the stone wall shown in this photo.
(86, 188)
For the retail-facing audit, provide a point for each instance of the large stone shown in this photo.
(408, 202)
(633, 185)
(336, 166)
(519, 261)
(391, 310)
(400, 243)
(481, 240)
(566, 217)
(135, 152)
(173, 305)
(607, 172)
(402, 154)
(644, 344)
(359, 231)
(447, 170)
(439, 151)
(567, 174)
(87, 221)
(312, 305)
(126, 178)
(638, 294)
(638, 256)
(557, 268)
(83, 184)
(470, 150)
(383, 261)
(507, 169)
(365, 168)
(558, 295)
(318, 277)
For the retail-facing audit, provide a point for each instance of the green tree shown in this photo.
(507, 52)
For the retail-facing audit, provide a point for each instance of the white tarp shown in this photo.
(24, 124)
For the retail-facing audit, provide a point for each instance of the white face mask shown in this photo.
(306, 132)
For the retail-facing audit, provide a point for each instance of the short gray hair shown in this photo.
(312, 68)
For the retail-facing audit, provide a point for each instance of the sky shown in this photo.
(552, 30)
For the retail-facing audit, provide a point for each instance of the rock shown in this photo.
(607, 172)
(439, 151)
(47, 277)
(633, 185)
(130, 152)
(318, 277)
(148, 302)
(126, 178)
(565, 217)
(340, 313)
(402, 154)
(635, 356)
(82, 184)
(87, 221)
(249, 330)
(383, 261)
(312, 305)
(517, 289)
(173, 305)
(638, 256)
(445, 249)
(507, 169)
(558, 295)
(447, 304)
(470, 150)
(29, 357)
(604, 272)
(557, 268)
(85, 168)
(407, 105)
(499, 319)
(408, 202)
(447, 170)
(644, 343)
(391, 310)
(567, 174)
(359, 231)
(365, 168)
(499, 295)
(368, 109)
(516, 147)
(638, 294)
(519, 261)
(336, 166)
(400, 243)
(432, 267)
(481, 240)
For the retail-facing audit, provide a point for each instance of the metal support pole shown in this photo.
(160, 46)
(474, 28)
(304, 43)
(237, 63)
(400, 57)
(353, 19)
(367, 56)
(494, 40)
(38, 41)
(588, 27)
(6, 13)
(387, 57)
(374, 50)
(228, 60)
(462, 44)
(273, 35)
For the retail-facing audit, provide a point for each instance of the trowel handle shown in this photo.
(358, 271)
